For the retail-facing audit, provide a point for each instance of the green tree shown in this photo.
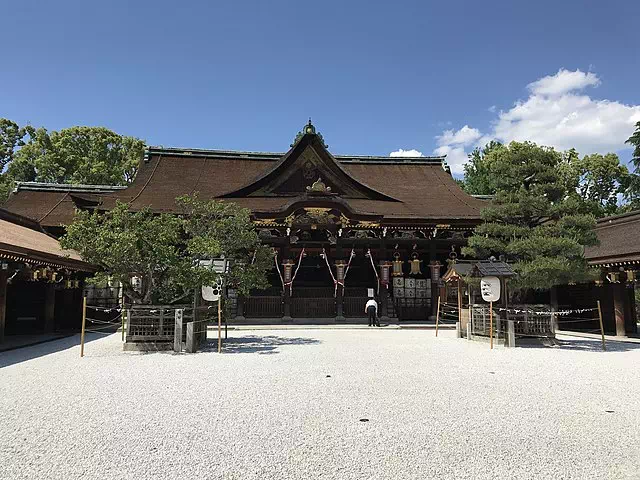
(164, 250)
(11, 139)
(599, 181)
(533, 222)
(477, 171)
(633, 190)
(79, 155)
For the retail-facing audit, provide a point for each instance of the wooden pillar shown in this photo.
(49, 307)
(4, 275)
(434, 285)
(384, 292)
(286, 294)
(619, 308)
(338, 288)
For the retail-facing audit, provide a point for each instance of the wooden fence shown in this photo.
(529, 320)
(156, 323)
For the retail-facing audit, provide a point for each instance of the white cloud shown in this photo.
(492, 108)
(456, 157)
(556, 114)
(563, 82)
(406, 153)
(464, 136)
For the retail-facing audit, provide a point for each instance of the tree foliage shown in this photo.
(164, 250)
(534, 222)
(477, 170)
(633, 192)
(76, 155)
(599, 181)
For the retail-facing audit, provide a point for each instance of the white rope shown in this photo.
(290, 284)
(335, 282)
(346, 271)
(275, 259)
(374, 271)
(550, 312)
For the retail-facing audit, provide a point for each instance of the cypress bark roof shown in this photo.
(399, 190)
(22, 239)
(619, 237)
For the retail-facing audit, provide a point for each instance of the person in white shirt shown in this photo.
(371, 309)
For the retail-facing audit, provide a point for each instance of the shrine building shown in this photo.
(339, 225)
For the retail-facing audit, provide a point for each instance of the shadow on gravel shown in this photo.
(264, 345)
(23, 354)
(585, 345)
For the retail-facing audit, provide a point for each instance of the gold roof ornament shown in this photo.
(319, 187)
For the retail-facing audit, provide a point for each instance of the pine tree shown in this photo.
(534, 222)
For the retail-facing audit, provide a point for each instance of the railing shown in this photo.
(354, 306)
(263, 307)
(313, 307)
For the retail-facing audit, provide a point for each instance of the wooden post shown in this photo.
(604, 347)
(84, 320)
(122, 311)
(220, 324)
(191, 340)
(511, 334)
(49, 307)
(491, 324)
(177, 333)
(4, 275)
(459, 301)
(438, 315)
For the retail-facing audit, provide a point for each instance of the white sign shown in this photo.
(490, 288)
(370, 292)
(211, 293)
(219, 265)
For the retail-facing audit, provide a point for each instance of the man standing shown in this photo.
(371, 309)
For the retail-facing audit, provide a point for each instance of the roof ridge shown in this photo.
(66, 187)
(241, 154)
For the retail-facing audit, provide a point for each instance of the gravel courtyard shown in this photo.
(290, 404)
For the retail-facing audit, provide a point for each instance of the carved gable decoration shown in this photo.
(302, 167)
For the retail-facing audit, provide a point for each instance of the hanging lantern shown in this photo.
(599, 283)
(631, 276)
(435, 271)
(384, 272)
(415, 264)
(614, 277)
(67, 283)
(288, 270)
(76, 284)
(340, 267)
(35, 275)
(397, 265)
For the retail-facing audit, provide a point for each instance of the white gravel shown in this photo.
(437, 408)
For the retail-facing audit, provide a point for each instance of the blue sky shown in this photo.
(376, 77)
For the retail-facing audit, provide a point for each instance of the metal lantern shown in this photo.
(631, 276)
(435, 271)
(414, 263)
(384, 272)
(397, 265)
(288, 270)
(340, 267)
